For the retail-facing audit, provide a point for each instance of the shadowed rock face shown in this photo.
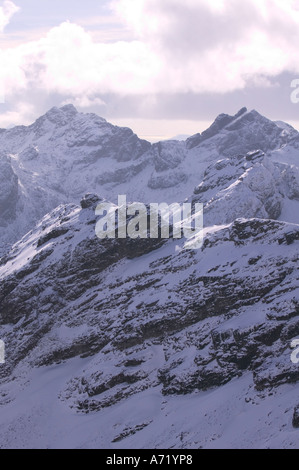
(182, 304)
(249, 184)
(168, 155)
(242, 133)
(220, 123)
(296, 417)
(8, 191)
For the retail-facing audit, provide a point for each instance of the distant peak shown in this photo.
(241, 112)
(254, 112)
(66, 109)
(69, 108)
(59, 115)
(249, 118)
(221, 121)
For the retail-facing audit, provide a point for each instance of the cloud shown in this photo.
(6, 12)
(178, 46)
(67, 61)
(216, 46)
(21, 114)
(84, 101)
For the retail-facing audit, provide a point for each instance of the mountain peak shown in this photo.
(260, 130)
(250, 118)
(68, 110)
(221, 121)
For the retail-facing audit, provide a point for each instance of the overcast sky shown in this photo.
(161, 67)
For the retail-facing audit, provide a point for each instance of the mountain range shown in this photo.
(146, 343)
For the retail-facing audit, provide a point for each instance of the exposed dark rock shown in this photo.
(90, 201)
(296, 417)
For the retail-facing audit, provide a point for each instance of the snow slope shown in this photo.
(147, 343)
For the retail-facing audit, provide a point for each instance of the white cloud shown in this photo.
(68, 62)
(21, 114)
(7, 10)
(84, 101)
(179, 46)
(216, 45)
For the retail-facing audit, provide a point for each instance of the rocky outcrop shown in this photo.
(151, 328)
(8, 191)
(249, 184)
(220, 123)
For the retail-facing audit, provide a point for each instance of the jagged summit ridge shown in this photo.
(68, 110)
(220, 122)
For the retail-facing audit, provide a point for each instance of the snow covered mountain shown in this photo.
(65, 154)
(143, 343)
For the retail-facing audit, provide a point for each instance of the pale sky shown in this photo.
(161, 67)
